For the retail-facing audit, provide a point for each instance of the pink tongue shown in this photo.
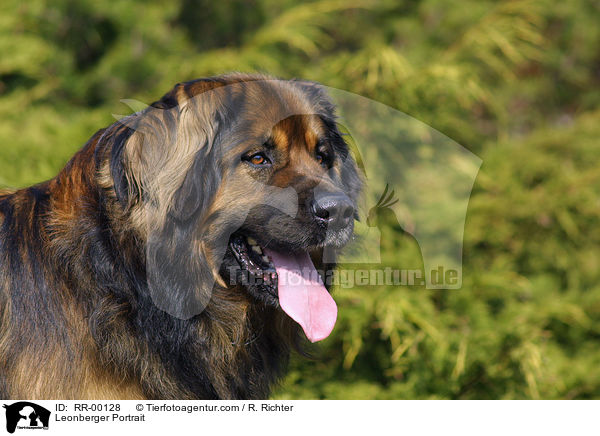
(303, 296)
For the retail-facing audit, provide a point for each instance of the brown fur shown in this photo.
(76, 317)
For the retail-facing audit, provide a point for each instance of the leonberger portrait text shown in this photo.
(176, 255)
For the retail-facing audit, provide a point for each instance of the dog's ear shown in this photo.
(165, 172)
(348, 169)
(188, 199)
(125, 186)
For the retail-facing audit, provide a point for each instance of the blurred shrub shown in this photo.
(515, 81)
(526, 322)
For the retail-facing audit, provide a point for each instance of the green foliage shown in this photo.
(514, 81)
(525, 323)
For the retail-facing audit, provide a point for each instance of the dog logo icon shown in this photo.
(26, 415)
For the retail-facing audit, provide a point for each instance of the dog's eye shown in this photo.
(320, 157)
(258, 159)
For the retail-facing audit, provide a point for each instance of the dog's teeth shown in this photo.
(251, 241)
(256, 249)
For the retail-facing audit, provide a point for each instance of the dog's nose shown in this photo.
(334, 210)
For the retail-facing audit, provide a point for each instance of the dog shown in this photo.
(153, 265)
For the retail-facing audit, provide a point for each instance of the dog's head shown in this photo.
(237, 181)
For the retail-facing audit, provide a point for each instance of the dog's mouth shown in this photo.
(289, 278)
(257, 266)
